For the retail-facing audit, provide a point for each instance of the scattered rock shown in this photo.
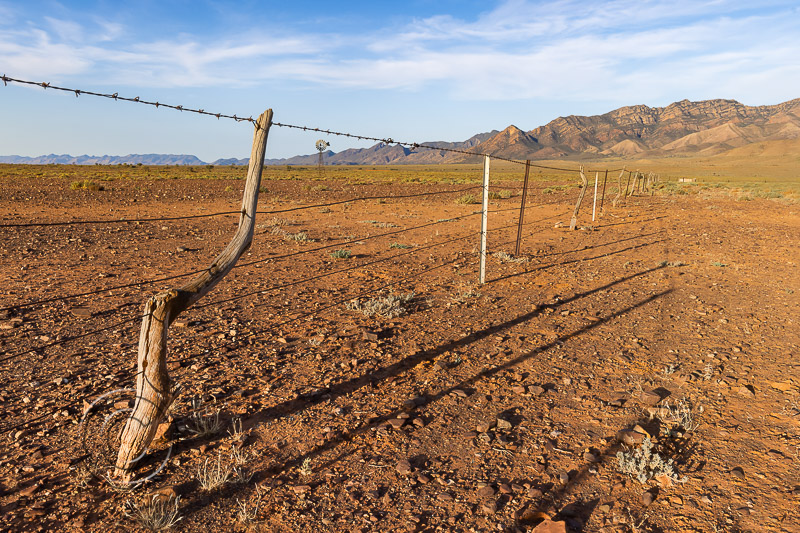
(483, 428)
(489, 507)
(536, 390)
(504, 424)
(630, 437)
(748, 391)
(590, 457)
(505, 488)
(409, 405)
(404, 467)
(396, 423)
(737, 472)
(167, 492)
(301, 489)
(647, 498)
(650, 398)
(486, 492)
(548, 526)
(81, 311)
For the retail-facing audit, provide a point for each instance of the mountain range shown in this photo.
(683, 128)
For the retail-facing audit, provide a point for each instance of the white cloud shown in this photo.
(619, 50)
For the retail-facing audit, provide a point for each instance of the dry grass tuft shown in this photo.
(156, 514)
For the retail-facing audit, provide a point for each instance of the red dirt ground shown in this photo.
(522, 385)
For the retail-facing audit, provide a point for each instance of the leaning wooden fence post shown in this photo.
(594, 204)
(603, 194)
(154, 389)
(584, 185)
(484, 218)
(522, 205)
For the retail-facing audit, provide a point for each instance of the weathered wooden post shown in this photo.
(594, 204)
(154, 389)
(484, 219)
(627, 183)
(584, 185)
(603, 194)
(619, 187)
(522, 206)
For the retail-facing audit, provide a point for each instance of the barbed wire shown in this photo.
(221, 213)
(115, 221)
(384, 140)
(317, 311)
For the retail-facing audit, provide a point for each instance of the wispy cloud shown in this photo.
(519, 50)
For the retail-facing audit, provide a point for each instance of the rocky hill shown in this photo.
(683, 128)
(709, 127)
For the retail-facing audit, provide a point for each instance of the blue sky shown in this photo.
(416, 70)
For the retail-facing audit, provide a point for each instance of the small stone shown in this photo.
(83, 312)
(485, 427)
(409, 405)
(604, 508)
(444, 497)
(563, 477)
(374, 494)
(397, 423)
(182, 249)
(122, 404)
(19, 434)
(536, 390)
(301, 489)
(504, 424)
(737, 472)
(533, 492)
(459, 393)
(519, 389)
(486, 492)
(590, 457)
(647, 498)
(650, 398)
(422, 478)
(630, 437)
(164, 431)
(748, 391)
(404, 467)
(167, 492)
(548, 526)
(505, 488)
(489, 507)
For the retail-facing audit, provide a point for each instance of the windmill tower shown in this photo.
(321, 147)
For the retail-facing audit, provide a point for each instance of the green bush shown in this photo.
(341, 254)
(86, 185)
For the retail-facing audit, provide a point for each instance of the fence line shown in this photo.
(641, 184)
(385, 140)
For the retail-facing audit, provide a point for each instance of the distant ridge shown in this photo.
(710, 127)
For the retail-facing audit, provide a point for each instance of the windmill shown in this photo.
(321, 147)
